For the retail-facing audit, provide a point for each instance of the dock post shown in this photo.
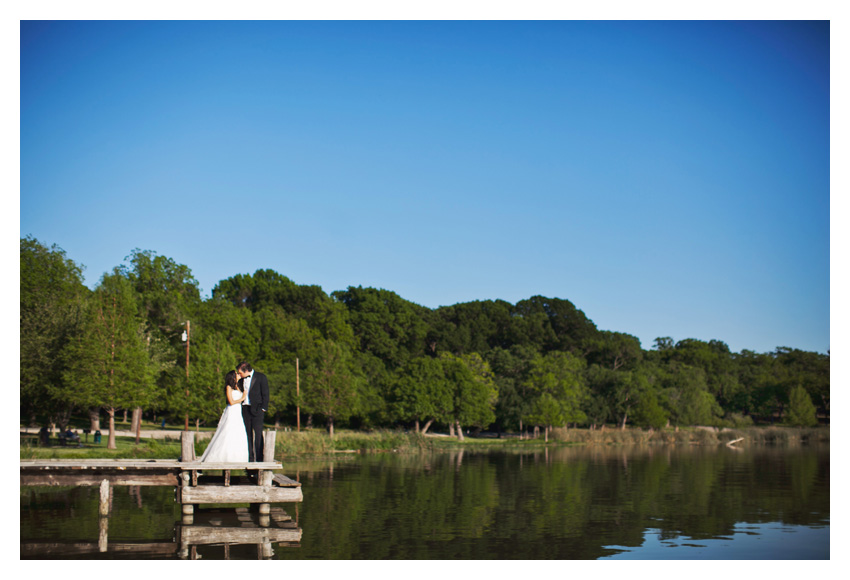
(187, 442)
(268, 445)
(187, 508)
(266, 475)
(187, 446)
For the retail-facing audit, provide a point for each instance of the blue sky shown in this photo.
(669, 178)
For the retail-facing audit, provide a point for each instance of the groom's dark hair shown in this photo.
(245, 367)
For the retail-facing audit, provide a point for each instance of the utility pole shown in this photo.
(297, 396)
(186, 340)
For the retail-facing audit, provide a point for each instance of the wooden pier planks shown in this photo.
(220, 494)
(284, 481)
(88, 472)
(193, 479)
(91, 472)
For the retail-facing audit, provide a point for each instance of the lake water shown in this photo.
(665, 502)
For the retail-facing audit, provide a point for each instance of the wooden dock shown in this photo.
(197, 483)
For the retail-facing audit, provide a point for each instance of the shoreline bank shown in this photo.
(316, 442)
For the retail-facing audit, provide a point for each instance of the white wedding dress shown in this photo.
(229, 443)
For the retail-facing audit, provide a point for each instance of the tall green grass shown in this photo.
(318, 442)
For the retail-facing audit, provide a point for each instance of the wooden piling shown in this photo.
(268, 445)
(265, 476)
(187, 443)
(187, 508)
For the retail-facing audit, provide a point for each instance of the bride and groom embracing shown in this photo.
(239, 436)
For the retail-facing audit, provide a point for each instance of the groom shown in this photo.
(255, 385)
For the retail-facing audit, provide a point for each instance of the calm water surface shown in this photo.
(566, 503)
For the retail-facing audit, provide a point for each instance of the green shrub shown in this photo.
(736, 421)
(801, 411)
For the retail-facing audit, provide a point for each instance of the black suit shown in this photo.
(254, 412)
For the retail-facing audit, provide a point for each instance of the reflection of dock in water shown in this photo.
(228, 528)
(225, 527)
(65, 550)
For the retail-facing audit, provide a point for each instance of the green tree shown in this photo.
(167, 292)
(386, 325)
(109, 363)
(624, 394)
(801, 410)
(51, 302)
(560, 374)
(421, 392)
(267, 288)
(510, 373)
(167, 296)
(754, 375)
(688, 399)
(614, 359)
(720, 368)
(807, 369)
(475, 393)
(330, 388)
(547, 411)
(649, 412)
(211, 358)
(664, 344)
(471, 327)
(237, 325)
(613, 350)
(374, 389)
(282, 338)
(551, 324)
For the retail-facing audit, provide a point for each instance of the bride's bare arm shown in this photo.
(234, 396)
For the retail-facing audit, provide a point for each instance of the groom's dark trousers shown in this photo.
(254, 428)
(254, 413)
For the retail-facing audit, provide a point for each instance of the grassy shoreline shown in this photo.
(317, 442)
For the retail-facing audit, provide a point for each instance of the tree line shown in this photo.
(368, 358)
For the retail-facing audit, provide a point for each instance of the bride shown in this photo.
(229, 443)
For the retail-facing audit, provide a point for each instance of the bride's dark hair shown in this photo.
(230, 380)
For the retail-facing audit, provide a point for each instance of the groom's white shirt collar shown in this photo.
(246, 383)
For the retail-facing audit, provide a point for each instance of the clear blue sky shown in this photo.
(668, 178)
